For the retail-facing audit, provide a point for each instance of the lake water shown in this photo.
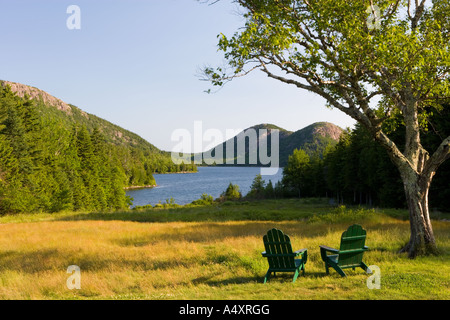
(187, 187)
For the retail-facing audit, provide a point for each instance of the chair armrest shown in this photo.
(325, 248)
(303, 253)
(300, 252)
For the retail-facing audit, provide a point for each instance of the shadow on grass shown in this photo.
(273, 211)
(284, 277)
(207, 232)
(29, 262)
(264, 210)
(38, 261)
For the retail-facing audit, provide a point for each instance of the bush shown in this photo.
(145, 207)
(205, 199)
(343, 214)
(257, 188)
(231, 194)
(170, 203)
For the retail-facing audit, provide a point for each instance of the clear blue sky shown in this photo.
(135, 63)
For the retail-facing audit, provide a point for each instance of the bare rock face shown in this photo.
(34, 93)
(328, 130)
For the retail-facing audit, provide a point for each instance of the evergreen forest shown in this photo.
(51, 161)
(357, 170)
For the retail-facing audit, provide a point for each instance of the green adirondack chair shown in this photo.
(280, 256)
(350, 253)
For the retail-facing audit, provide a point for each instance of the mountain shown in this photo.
(247, 146)
(54, 156)
(313, 139)
(54, 109)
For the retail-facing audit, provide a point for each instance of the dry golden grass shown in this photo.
(206, 260)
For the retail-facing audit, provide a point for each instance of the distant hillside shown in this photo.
(52, 109)
(313, 139)
(54, 156)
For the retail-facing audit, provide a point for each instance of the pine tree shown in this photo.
(295, 172)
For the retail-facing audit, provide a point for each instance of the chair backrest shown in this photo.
(352, 246)
(279, 250)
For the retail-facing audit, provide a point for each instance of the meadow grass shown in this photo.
(211, 252)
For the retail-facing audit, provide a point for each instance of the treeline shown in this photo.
(355, 171)
(358, 171)
(48, 165)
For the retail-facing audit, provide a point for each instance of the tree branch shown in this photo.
(441, 154)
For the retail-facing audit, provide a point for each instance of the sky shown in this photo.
(136, 64)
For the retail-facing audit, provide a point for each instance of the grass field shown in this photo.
(211, 252)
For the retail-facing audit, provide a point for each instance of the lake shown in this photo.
(187, 187)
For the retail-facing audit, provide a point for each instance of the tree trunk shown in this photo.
(422, 237)
(417, 169)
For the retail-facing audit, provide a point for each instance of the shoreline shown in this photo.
(180, 172)
(140, 187)
(155, 185)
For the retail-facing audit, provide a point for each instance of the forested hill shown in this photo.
(54, 156)
(314, 139)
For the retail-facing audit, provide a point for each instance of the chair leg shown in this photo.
(340, 271)
(295, 275)
(267, 277)
(326, 268)
(364, 266)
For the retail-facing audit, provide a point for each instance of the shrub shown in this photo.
(205, 199)
(232, 193)
(343, 214)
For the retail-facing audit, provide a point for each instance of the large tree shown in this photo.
(373, 60)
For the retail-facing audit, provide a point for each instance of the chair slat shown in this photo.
(280, 255)
(351, 250)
